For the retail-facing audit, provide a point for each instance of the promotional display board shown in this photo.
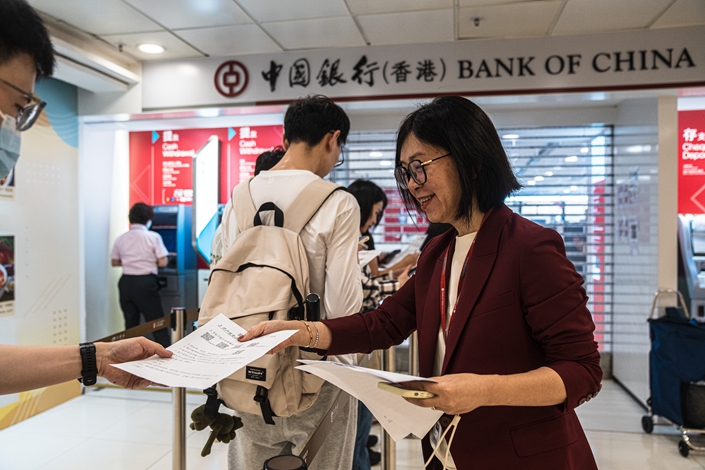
(161, 162)
(691, 162)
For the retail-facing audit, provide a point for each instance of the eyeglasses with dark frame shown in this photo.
(415, 171)
(341, 157)
(26, 115)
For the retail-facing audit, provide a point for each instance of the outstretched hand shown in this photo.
(301, 338)
(133, 349)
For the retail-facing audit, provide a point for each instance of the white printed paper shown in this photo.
(411, 248)
(205, 356)
(396, 415)
(366, 256)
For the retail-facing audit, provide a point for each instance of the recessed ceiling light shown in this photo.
(510, 136)
(531, 183)
(549, 173)
(573, 188)
(571, 159)
(538, 178)
(584, 150)
(385, 163)
(151, 48)
(376, 154)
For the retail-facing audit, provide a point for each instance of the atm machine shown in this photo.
(691, 247)
(178, 279)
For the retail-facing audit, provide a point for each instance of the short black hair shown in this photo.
(22, 31)
(457, 126)
(141, 213)
(367, 194)
(268, 159)
(310, 118)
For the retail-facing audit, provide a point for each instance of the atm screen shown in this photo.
(169, 237)
(697, 227)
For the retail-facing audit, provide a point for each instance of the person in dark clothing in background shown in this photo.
(139, 252)
(267, 160)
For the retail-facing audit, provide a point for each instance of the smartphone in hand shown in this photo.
(397, 389)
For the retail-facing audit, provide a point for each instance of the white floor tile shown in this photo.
(106, 454)
(114, 429)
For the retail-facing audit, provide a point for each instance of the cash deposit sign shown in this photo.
(691, 162)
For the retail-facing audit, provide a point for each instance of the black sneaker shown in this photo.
(372, 440)
(375, 457)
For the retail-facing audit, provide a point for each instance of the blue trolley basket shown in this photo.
(676, 364)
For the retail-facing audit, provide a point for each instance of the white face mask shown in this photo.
(9, 144)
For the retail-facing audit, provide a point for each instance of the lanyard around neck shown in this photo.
(444, 280)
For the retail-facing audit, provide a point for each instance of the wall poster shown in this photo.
(7, 275)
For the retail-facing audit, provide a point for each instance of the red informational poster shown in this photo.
(691, 162)
(161, 161)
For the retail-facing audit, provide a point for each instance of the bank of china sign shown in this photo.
(639, 59)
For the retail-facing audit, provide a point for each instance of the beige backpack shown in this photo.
(264, 275)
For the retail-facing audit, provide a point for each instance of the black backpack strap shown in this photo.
(308, 203)
(261, 397)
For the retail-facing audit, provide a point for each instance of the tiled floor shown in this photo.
(114, 429)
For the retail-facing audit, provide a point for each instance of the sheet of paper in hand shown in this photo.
(206, 356)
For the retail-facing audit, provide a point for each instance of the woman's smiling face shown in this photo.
(440, 195)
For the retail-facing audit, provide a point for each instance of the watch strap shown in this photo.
(89, 371)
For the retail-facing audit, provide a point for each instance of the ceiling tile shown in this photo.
(277, 10)
(186, 14)
(485, 3)
(437, 26)
(175, 48)
(230, 40)
(97, 16)
(505, 21)
(370, 7)
(314, 34)
(682, 13)
(582, 16)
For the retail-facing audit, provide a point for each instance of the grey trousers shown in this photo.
(257, 441)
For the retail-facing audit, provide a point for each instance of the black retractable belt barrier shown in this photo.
(150, 327)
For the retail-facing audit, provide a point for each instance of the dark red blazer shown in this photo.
(522, 306)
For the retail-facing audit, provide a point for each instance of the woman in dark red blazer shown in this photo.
(500, 311)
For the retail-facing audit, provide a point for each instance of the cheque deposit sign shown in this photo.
(691, 162)
(161, 162)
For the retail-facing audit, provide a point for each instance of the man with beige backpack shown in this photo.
(286, 233)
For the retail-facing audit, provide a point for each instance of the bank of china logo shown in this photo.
(231, 78)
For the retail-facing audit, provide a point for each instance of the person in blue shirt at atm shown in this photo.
(140, 252)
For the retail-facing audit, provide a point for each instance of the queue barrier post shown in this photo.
(178, 315)
(389, 447)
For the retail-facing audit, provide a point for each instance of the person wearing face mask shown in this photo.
(140, 252)
(26, 54)
(501, 315)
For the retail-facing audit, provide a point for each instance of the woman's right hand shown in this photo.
(300, 338)
(404, 276)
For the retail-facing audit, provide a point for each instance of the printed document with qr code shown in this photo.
(205, 356)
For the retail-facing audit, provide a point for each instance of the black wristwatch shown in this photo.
(89, 372)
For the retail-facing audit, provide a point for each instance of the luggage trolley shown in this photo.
(676, 364)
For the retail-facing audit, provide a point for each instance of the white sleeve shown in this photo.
(160, 250)
(343, 290)
(115, 253)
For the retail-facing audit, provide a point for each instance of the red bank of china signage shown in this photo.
(651, 58)
(161, 161)
(691, 162)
